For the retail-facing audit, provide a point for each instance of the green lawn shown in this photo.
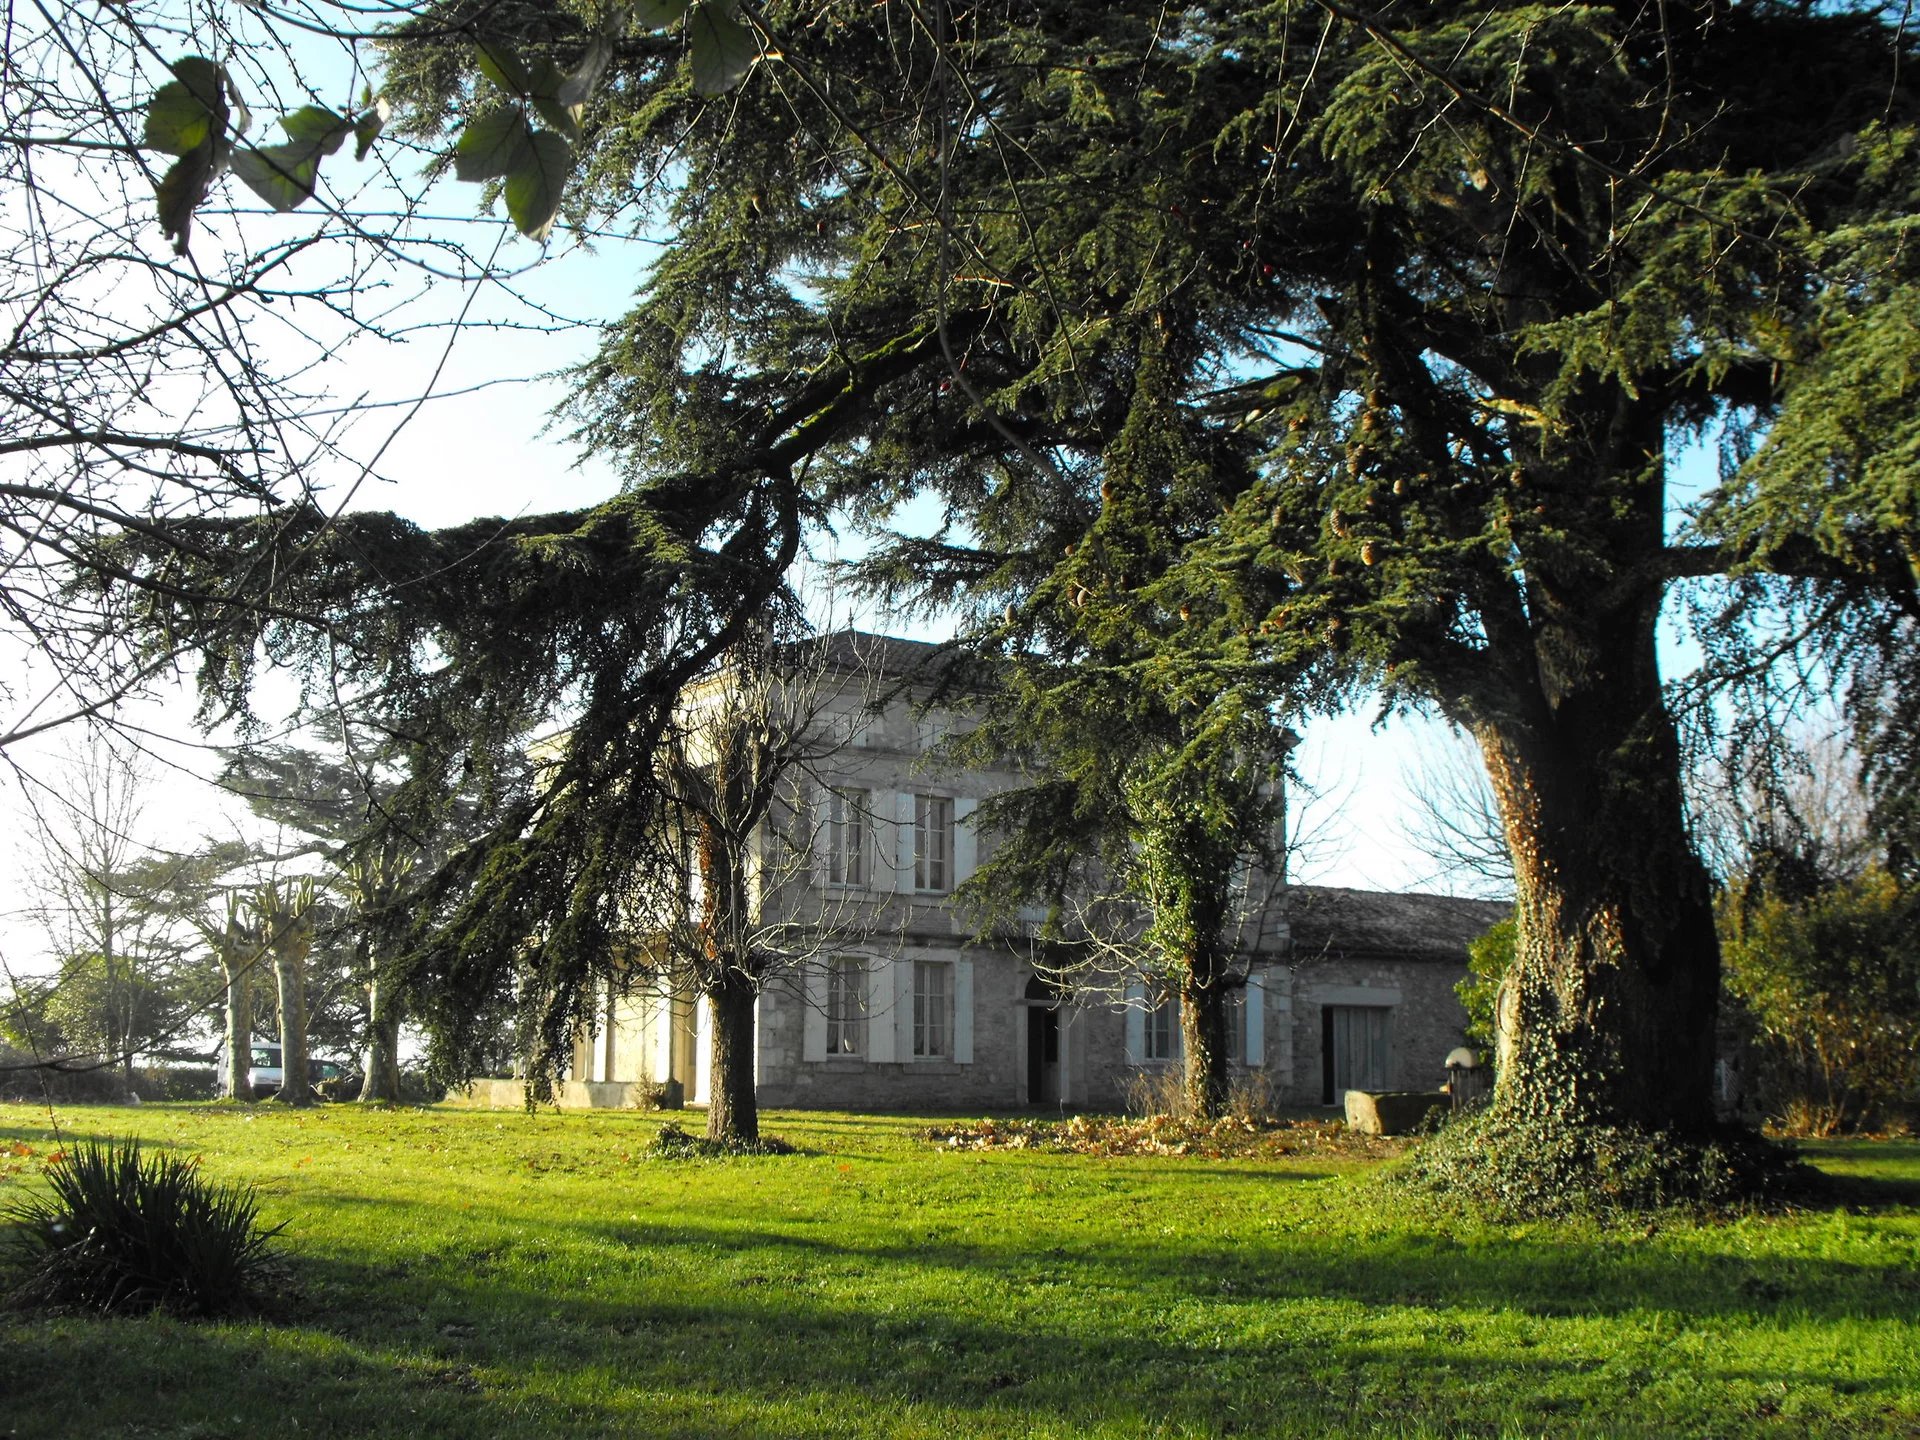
(472, 1275)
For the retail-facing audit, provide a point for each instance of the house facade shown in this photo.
(903, 1006)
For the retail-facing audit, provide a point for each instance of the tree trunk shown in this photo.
(236, 1052)
(733, 1111)
(289, 940)
(1607, 1014)
(1203, 1037)
(382, 1082)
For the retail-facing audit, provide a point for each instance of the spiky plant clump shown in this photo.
(119, 1231)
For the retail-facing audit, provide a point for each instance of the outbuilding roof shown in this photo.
(1331, 923)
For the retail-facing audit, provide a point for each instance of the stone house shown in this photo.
(909, 1009)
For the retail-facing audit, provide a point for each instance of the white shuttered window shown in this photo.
(847, 812)
(932, 1009)
(847, 1006)
(932, 842)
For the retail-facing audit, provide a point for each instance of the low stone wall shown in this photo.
(573, 1095)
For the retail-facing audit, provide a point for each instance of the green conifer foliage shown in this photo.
(1256, 352)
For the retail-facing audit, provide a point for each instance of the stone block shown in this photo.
(1391, 1112)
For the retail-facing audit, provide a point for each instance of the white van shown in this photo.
(265, 1076)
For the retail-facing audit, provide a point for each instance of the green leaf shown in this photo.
(205, 79)
(188, 117)
(547, 80)
(534, 188)
(564, 118)
(188, 109)
(723, 50)
(493, 144)
(176, 120)
(317, 125)
(281, 175)
(180, 192)
(367, 128)
(544, 78)
(581, 81)
(500, 64)
(658, 14)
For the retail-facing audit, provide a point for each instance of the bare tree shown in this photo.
(102, 897)
(724, 901)
(1164, 879)
(1456, 820)
(1788, 802)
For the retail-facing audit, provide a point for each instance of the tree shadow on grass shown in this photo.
(758, 1336)
(1866, 1175)
(1534, 1276)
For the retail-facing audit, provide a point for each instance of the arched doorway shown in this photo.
(1042, 1000)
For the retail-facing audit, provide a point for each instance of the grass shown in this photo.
(480, 1275)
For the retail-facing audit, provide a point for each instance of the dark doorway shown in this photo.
(1043, 1043)
(1353, 1050)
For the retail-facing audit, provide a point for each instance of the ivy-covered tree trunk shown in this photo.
(236, 1050)
(733, 1109)
(1205, 1085)
(1607, 1014)
(1189, 845)
(382, 1081)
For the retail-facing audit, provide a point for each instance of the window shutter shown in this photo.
(903, 1007)
(1136, 1023)
(965, 843)
(883, 871)
(1255, 1014)
(818, 821)
(813, 1024)
(963, 1012)
(880, 1012)
(903, 843)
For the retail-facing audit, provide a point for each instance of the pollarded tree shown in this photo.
(282, 923)
(340, 801)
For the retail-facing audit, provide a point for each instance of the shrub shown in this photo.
(1488, 960)
(124, 1232)
(1507, 1167)
(1163, 1092)
(1831, 985)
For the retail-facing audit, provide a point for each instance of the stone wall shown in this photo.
(570, 1095)
(1426, 1020)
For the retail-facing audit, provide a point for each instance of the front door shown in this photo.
(1043, 1055)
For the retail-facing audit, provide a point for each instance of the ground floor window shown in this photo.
(1160, 1033)
(932, 1009)
(1161, 1037)
(847, 1007)
(1353, 1049)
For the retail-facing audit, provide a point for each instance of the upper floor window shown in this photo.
(847, 1006)
(932, 842)
(847, 812)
